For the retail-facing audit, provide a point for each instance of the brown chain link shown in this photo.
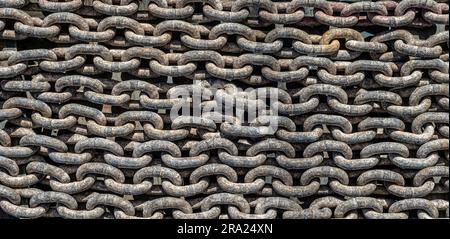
(358, 90)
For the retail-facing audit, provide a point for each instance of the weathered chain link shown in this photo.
(361, 100)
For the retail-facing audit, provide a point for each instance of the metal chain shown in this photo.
(351, 100)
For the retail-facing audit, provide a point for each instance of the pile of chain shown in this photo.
(358, 90)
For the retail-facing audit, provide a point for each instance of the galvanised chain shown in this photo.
(352, 102)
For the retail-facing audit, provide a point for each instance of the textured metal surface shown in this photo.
(351, 102)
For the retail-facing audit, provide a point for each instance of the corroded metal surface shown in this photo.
(224, 109)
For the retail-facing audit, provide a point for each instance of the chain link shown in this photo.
(358, 91)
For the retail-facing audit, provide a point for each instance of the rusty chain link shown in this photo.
(358, 92)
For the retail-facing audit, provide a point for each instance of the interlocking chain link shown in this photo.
(358, 91)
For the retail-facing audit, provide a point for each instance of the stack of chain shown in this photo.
(360, 87)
